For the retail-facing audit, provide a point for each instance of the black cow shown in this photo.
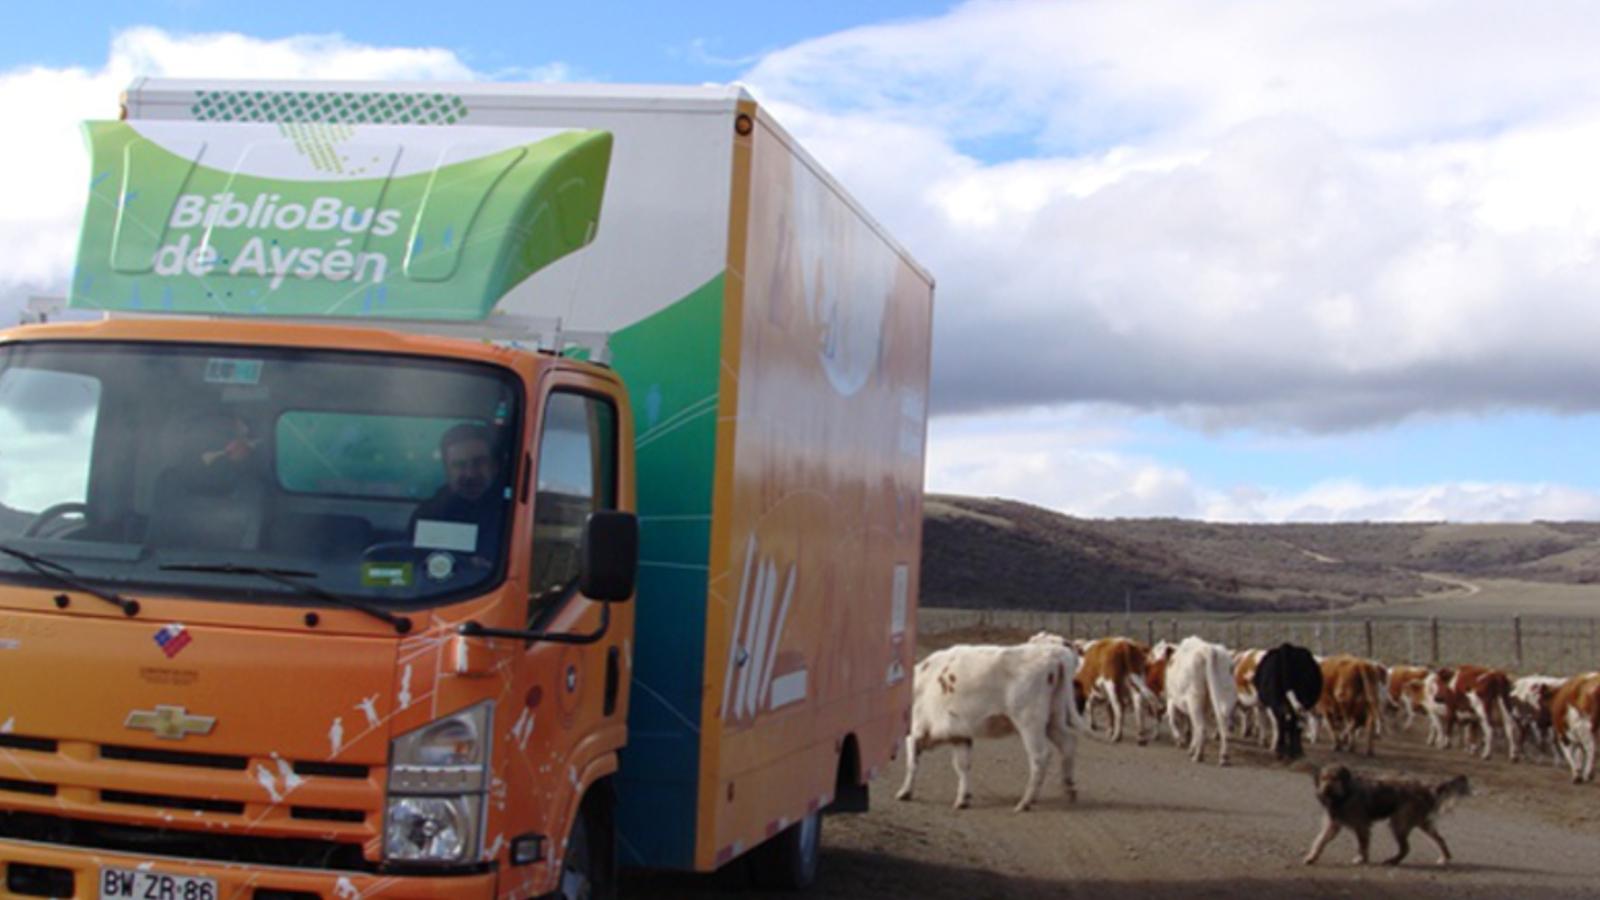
(1288, 671)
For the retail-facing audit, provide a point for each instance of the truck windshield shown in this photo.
(157, 467)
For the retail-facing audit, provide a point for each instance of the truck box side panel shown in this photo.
(816, 539)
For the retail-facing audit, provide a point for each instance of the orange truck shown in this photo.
(455, 491)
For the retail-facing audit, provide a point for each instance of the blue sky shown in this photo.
(604, 41)
(1251, 259)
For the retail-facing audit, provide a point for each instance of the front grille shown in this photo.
(156, 800)
(26, 880)
(18, 742)
(175, 758)
(144, 841)
(162, 801)
(331, 770)
(27, 787)
(322, 814)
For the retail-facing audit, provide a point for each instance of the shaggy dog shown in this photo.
(1357, 800)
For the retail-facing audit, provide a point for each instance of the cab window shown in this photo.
(575, 475)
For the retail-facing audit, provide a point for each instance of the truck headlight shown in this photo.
(437, 778)
(432, 829)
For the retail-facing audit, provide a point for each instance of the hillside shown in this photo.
(986, 552)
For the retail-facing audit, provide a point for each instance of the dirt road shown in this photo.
(1149, 823)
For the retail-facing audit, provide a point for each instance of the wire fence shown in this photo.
(1523, 644)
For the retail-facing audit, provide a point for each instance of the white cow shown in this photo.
(1199, 683)
(966, 692)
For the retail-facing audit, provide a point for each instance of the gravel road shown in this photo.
(1150, 823)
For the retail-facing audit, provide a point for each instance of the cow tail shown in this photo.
(1219, 683)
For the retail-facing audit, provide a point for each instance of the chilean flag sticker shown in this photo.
(172, 639)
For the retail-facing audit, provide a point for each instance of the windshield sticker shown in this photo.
(172, 639)
(386, 574)
(233, 371)
(440, 566)
(439, 534)
(9, 643)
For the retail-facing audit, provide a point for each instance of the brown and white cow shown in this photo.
(1350, 701)
(1404, 692)
(1475, 694)
(1575, 715)
(1115, 669)
(1252, 716)
(1530, 709)
(967, 692)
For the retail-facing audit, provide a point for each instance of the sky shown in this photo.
(1243, 260)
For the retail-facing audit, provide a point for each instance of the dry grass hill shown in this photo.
(992, 553)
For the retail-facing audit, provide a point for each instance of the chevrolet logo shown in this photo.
(170, 722)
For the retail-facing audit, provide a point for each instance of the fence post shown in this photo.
(1174, 629)
(1433, 626)
(1367, 627)
(1108, 626)
(1516, 635)
(1238, 635)
(1591, 640)
(1150, 632)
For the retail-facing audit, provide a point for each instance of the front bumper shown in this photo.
(236, 881)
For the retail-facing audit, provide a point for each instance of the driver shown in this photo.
(472, 491)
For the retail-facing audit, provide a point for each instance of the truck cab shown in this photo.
(235, 568)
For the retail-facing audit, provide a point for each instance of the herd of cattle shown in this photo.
(1048, 689)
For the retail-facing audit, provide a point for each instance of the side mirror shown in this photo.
(609, 555)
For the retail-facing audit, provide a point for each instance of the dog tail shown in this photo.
(1447, 791)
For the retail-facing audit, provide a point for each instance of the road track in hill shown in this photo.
(1150, 823)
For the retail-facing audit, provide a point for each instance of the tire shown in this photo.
(588, 868)
(789, 861)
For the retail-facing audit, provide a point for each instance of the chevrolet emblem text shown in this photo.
(170, 722)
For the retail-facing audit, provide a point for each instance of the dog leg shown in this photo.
(1330, 828)
(1432, 831)
(1363, 841)
(1402, 839)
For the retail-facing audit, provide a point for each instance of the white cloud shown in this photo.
(1078, 462)
(1270, 213)
(43, 167)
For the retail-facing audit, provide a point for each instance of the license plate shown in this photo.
(142, 885)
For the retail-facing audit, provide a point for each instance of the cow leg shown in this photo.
(1172, 722)
(1197, 740)
(1109, 691)
(961, 758)
(1066, 743)
(1038, 749)
(1484, 725)
(1372, 732)
(1572, 752)
(912, 747)
(1138, 715)
(1586, 739)
(1222, 737)
(1330, 828)
(1432, 831)
(1513, 730)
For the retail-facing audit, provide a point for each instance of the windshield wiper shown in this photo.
(292, 578)
(62, 575)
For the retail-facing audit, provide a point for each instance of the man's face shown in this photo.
(469, 469)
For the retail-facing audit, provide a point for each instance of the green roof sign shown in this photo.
(330, 219)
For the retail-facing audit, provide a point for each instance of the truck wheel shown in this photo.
(588, 869)
(789, 861)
